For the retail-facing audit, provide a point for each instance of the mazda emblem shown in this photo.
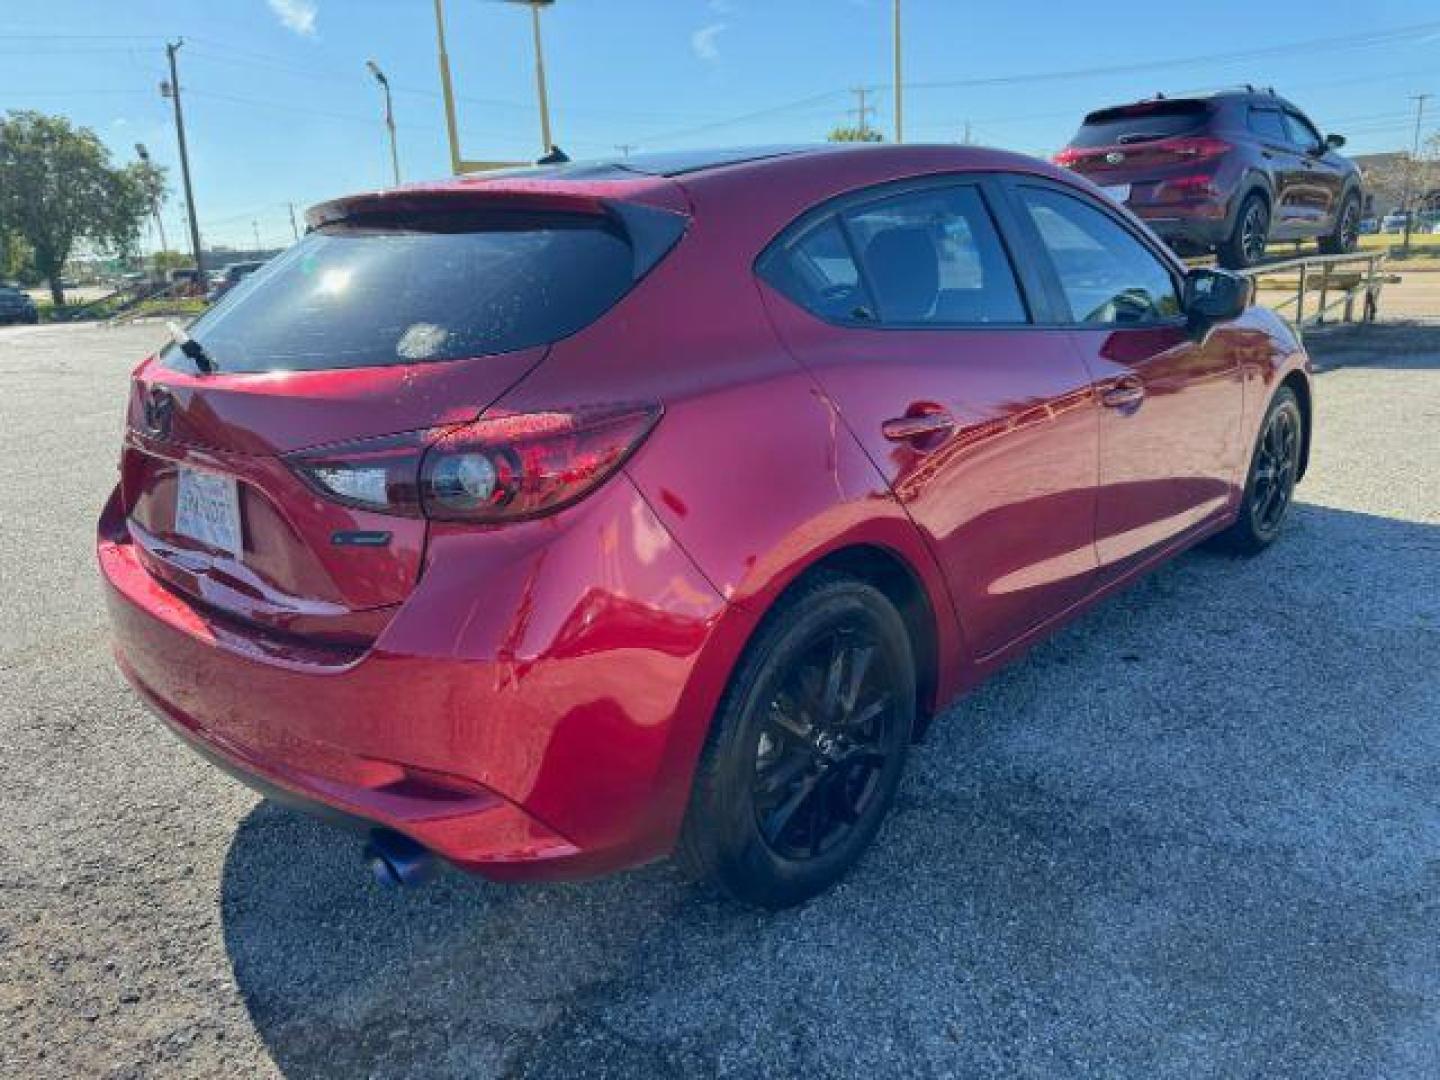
(159, 412)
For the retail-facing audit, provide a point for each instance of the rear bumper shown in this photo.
(1197, 231)
(518, 725)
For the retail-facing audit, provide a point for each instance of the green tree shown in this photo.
(58, 187)
(14, 255)
(854, 134)
(164, 261)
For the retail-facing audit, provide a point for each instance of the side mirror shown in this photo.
(1213, 296)
(1334, 142)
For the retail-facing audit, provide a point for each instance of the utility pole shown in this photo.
(899, 86)
(862, 111)
(294, 229)
(625, 148)
(255, 230)
(389, 116)
(172, 91)
(966, 140)
(1419, 100)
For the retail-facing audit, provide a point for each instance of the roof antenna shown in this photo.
(556, 156)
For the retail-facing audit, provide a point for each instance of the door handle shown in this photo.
(1128, 393)
(918, 426)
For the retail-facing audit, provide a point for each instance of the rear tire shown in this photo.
(807, 746)
(1270, 484)
(1347, 229)
(1245, 246)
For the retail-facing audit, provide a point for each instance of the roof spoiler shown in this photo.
(652, 231)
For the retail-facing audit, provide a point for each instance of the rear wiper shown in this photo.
(192, 348)
(1139, 136)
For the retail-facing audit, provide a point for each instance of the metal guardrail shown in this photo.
(1366, 285)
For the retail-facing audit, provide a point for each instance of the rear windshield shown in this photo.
(1143, 122)
(426, 288)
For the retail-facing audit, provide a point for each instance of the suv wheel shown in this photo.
(1245, 245)
(1347, 229)
(807, 747)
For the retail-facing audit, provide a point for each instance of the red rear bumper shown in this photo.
(518, 723)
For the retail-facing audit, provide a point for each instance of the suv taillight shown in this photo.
(505, 468)
(1194, 149)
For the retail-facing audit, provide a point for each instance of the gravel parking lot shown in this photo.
(1198, 834)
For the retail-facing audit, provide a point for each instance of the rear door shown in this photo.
(905, 305)
(1287, 168)
(1170, 405)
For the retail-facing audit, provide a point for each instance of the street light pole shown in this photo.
(389, 116)
(172, 91)
(1419, 100)
(899, 87)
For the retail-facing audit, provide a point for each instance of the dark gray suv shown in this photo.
(1227, 172)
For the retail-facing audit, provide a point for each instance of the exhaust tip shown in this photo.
(396, 860)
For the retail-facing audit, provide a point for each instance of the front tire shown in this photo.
(1270, 485)
(1245, 246)
(1347, 229)
(807, 746)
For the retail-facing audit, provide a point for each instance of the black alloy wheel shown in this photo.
(1277, 463)
(807, 746)
(823, 744)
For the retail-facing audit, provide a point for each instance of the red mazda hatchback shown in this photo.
(555, 521)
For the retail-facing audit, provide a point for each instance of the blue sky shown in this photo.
(279, 107)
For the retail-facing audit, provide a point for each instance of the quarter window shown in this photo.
(1109, 278)
(933, 258)
(818, 273)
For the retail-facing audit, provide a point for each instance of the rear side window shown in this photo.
(818, 273)
(1145, 121)
(1267, 124)
(425, 288)
(933, 258)
(1109, 278)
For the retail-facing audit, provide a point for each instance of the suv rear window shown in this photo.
(423, 288)
(1145, 121)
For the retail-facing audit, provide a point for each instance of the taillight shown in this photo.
(1194, 149)
(506, 468)
(371, 474)
(1067, 157)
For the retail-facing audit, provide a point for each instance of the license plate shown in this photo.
(1119, 192)
(207, 509)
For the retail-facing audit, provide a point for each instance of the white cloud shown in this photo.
(722, 7)
(297, 15)
(704, 44)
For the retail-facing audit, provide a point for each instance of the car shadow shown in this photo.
(1193, 833)
(1396, 345)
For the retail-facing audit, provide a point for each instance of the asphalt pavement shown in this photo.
(1195, 835)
